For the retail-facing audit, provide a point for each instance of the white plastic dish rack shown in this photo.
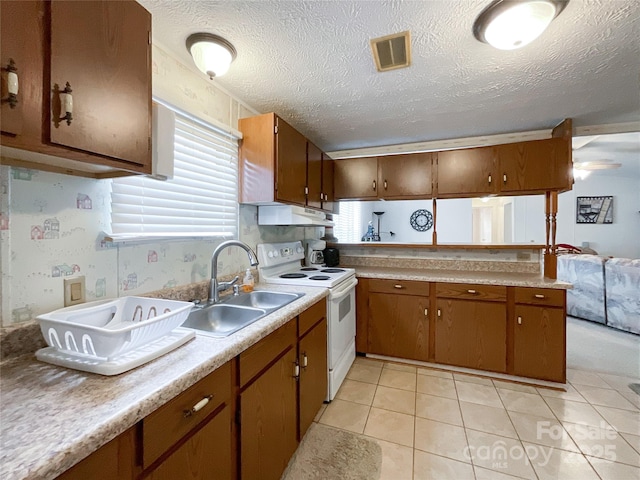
(106, 329)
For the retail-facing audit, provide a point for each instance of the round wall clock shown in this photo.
(421, 220)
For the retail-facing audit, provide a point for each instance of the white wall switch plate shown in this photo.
(74, 291)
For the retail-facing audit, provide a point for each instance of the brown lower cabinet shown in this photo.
(472, 334)
(506, 329)
(206, 454)
(399, 325)
(258, 406)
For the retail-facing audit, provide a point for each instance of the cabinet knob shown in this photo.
(321, 196)
(306, 191)
(439, 313)
(12, 84)
(305, 360)
(198, 406)
(397, 285)
(374, 185)
(538, 295)
(426, 312)
(504, 178)
(519, 320)
(472, 292)
(296, 371)
(489, 179)
(385, 184)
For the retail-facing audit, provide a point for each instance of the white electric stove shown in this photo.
(281, 263)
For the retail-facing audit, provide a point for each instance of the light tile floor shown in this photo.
(432, 424)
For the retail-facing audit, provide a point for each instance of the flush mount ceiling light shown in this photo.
(511, 24)
(211, 54)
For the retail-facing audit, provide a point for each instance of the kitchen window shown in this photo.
(347, 223)
(201, 200)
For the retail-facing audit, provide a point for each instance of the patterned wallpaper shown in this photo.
(52, 228)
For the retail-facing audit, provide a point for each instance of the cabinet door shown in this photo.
(356, 178)
(471, 334)
(314, 176)
(291, 164)
(328, 166)
(206, 454)
(17, 20)
(268, 421)
(113, 461)
(405, 176)
(535, 166)
(539, 343)
(103, 50)
(399, 325)
(313, 374)
(469, 172)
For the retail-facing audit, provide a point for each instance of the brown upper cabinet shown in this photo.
(92, 56)
(521, 168)
(278, 164)
(390, 177)
(468, 172)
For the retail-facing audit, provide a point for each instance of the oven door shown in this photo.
(341, 319)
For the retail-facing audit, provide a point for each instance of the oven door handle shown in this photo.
(342, 290)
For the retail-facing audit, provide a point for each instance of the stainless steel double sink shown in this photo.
(236, 312)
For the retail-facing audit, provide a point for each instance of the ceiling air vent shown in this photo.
(392, 51)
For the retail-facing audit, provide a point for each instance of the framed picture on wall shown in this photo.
(597, 210)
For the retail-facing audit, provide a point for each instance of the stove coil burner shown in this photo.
(293, 275)
(332, 270)
(320, 277)
(308, 269)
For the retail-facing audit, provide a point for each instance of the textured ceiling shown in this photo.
(310, 62)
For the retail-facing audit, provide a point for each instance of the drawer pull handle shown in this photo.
(67, 104)
(397, 285)
(538, 295)
(426, 312)
(385, 184)
(519, 320)
(489, 179)
(296, 371)
(374, 184)
(472, 292)
(198, 406)
(439, 313)
(305, 360)
(504, 178)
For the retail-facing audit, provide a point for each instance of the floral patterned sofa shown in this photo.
(622, 287)
(605, 290)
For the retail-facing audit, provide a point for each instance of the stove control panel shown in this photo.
(271, 254)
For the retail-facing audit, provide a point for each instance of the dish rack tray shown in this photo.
(106, 329)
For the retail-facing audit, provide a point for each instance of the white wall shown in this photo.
(619, 239)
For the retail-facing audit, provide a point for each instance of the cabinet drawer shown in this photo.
(170, 423)
(472, 292)
(540, 296)
(402, 287)
(259, 356)
(311, 316)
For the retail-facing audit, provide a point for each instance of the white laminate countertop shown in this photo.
(52, 417)
(461, 276)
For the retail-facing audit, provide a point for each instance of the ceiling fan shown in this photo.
(582, 169)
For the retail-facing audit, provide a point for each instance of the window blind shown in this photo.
(348, 222)
(200, 200)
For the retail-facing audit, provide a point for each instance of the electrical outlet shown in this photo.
(74, 292)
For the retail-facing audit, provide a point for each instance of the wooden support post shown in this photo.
(434, 235)
(551, 250)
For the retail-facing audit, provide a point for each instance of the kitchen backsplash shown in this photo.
(51, 229)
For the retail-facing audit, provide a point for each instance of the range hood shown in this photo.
(291, 215)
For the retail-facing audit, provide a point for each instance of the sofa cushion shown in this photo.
(586, 274)
(622, 280)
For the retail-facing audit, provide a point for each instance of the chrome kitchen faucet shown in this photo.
(214, 288)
